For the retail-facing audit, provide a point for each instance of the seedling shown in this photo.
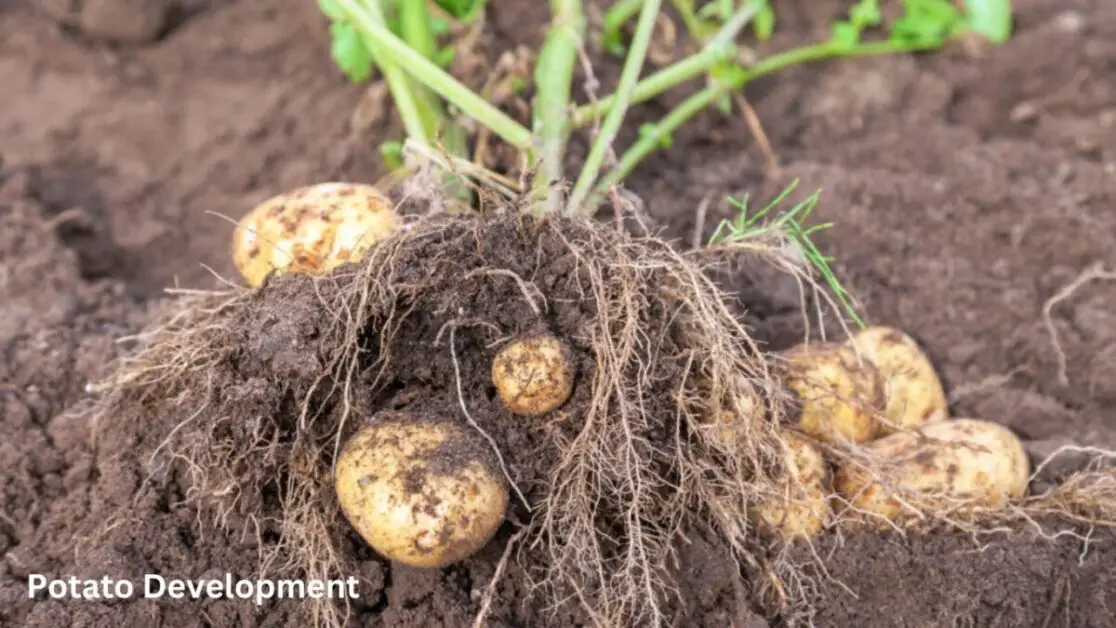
(399, 39)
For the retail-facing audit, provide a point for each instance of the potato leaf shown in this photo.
(464, 10)
(349, 52)
(989, 18)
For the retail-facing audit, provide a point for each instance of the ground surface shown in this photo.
(967, 188)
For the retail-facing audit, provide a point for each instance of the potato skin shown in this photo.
(913, 393)
(311, 229)
(804, 510)
(420, 491)
(936, 465)
(533, 375)
(840, 393)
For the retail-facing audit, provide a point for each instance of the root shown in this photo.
(490, 590)
(1093, 273)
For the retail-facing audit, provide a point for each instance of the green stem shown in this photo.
(656, 136)
(553, 80)
(414, 18)
(391, 49)
(659, 82)
(414, 120)
(629, 76)
(685, 9)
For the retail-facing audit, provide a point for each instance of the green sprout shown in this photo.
(401, 39)
(787, 226)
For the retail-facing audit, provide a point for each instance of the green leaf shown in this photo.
(445, 56)
(349, 52)
(439, 26)
(845, 34)
(464, 10)
(989, 18)
(764, 22)
(613, 42)
(392, 152)
(332, 10)
(865, 14)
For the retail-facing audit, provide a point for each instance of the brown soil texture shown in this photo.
(967, 188)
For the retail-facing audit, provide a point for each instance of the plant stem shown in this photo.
(553, 80)
(414, 18)
(633, 65)
(619, 14)
(652, 140)
(659, 82)
(391, 49)
(414, 120)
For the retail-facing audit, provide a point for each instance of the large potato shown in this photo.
(311, 229)
(804, 508)
(913, 392)
(840, 393)
(422, 492)
(533, 375)
(950, 464)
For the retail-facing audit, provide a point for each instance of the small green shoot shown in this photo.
(788, 226)
(423, 91)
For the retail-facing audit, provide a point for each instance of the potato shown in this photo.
(840, 393)
(936, 465)
(533, 375)
(804, 510)
(311, 229)
(913, 394)
(730, 426)
(422, 492)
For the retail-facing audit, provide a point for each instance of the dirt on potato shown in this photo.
(968, 189)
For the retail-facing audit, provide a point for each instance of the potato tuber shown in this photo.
(913, 393)
(420, 491)
(533, 375)
(311, 229)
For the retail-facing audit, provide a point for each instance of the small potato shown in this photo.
(804, 510)
(730, 427)
(312, 230)
(533, 375)
(840, 393)
(935, 467)
(422, 492)
(912, 391)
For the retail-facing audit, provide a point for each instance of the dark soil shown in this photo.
(967, 188)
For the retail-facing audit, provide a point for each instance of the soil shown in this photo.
(967, 189)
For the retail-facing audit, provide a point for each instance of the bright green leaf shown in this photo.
(464, 10)
(445, 56)
(845, 34)
(866, 13)
(332, 10)
(989, 18)
(392, 152)
(349, 52)
(764, 22)
(439, 26)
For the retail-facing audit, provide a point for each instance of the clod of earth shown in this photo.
(913, 392)
(421, 491)
(312, 229)
(945, 466)
(840, 392)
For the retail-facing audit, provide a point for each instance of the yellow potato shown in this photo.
(913, 392)
(728, 427)
(420, 491)
(945, 464)
(840, 393)
(533, 375)
(312, 230)
(804, 509)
